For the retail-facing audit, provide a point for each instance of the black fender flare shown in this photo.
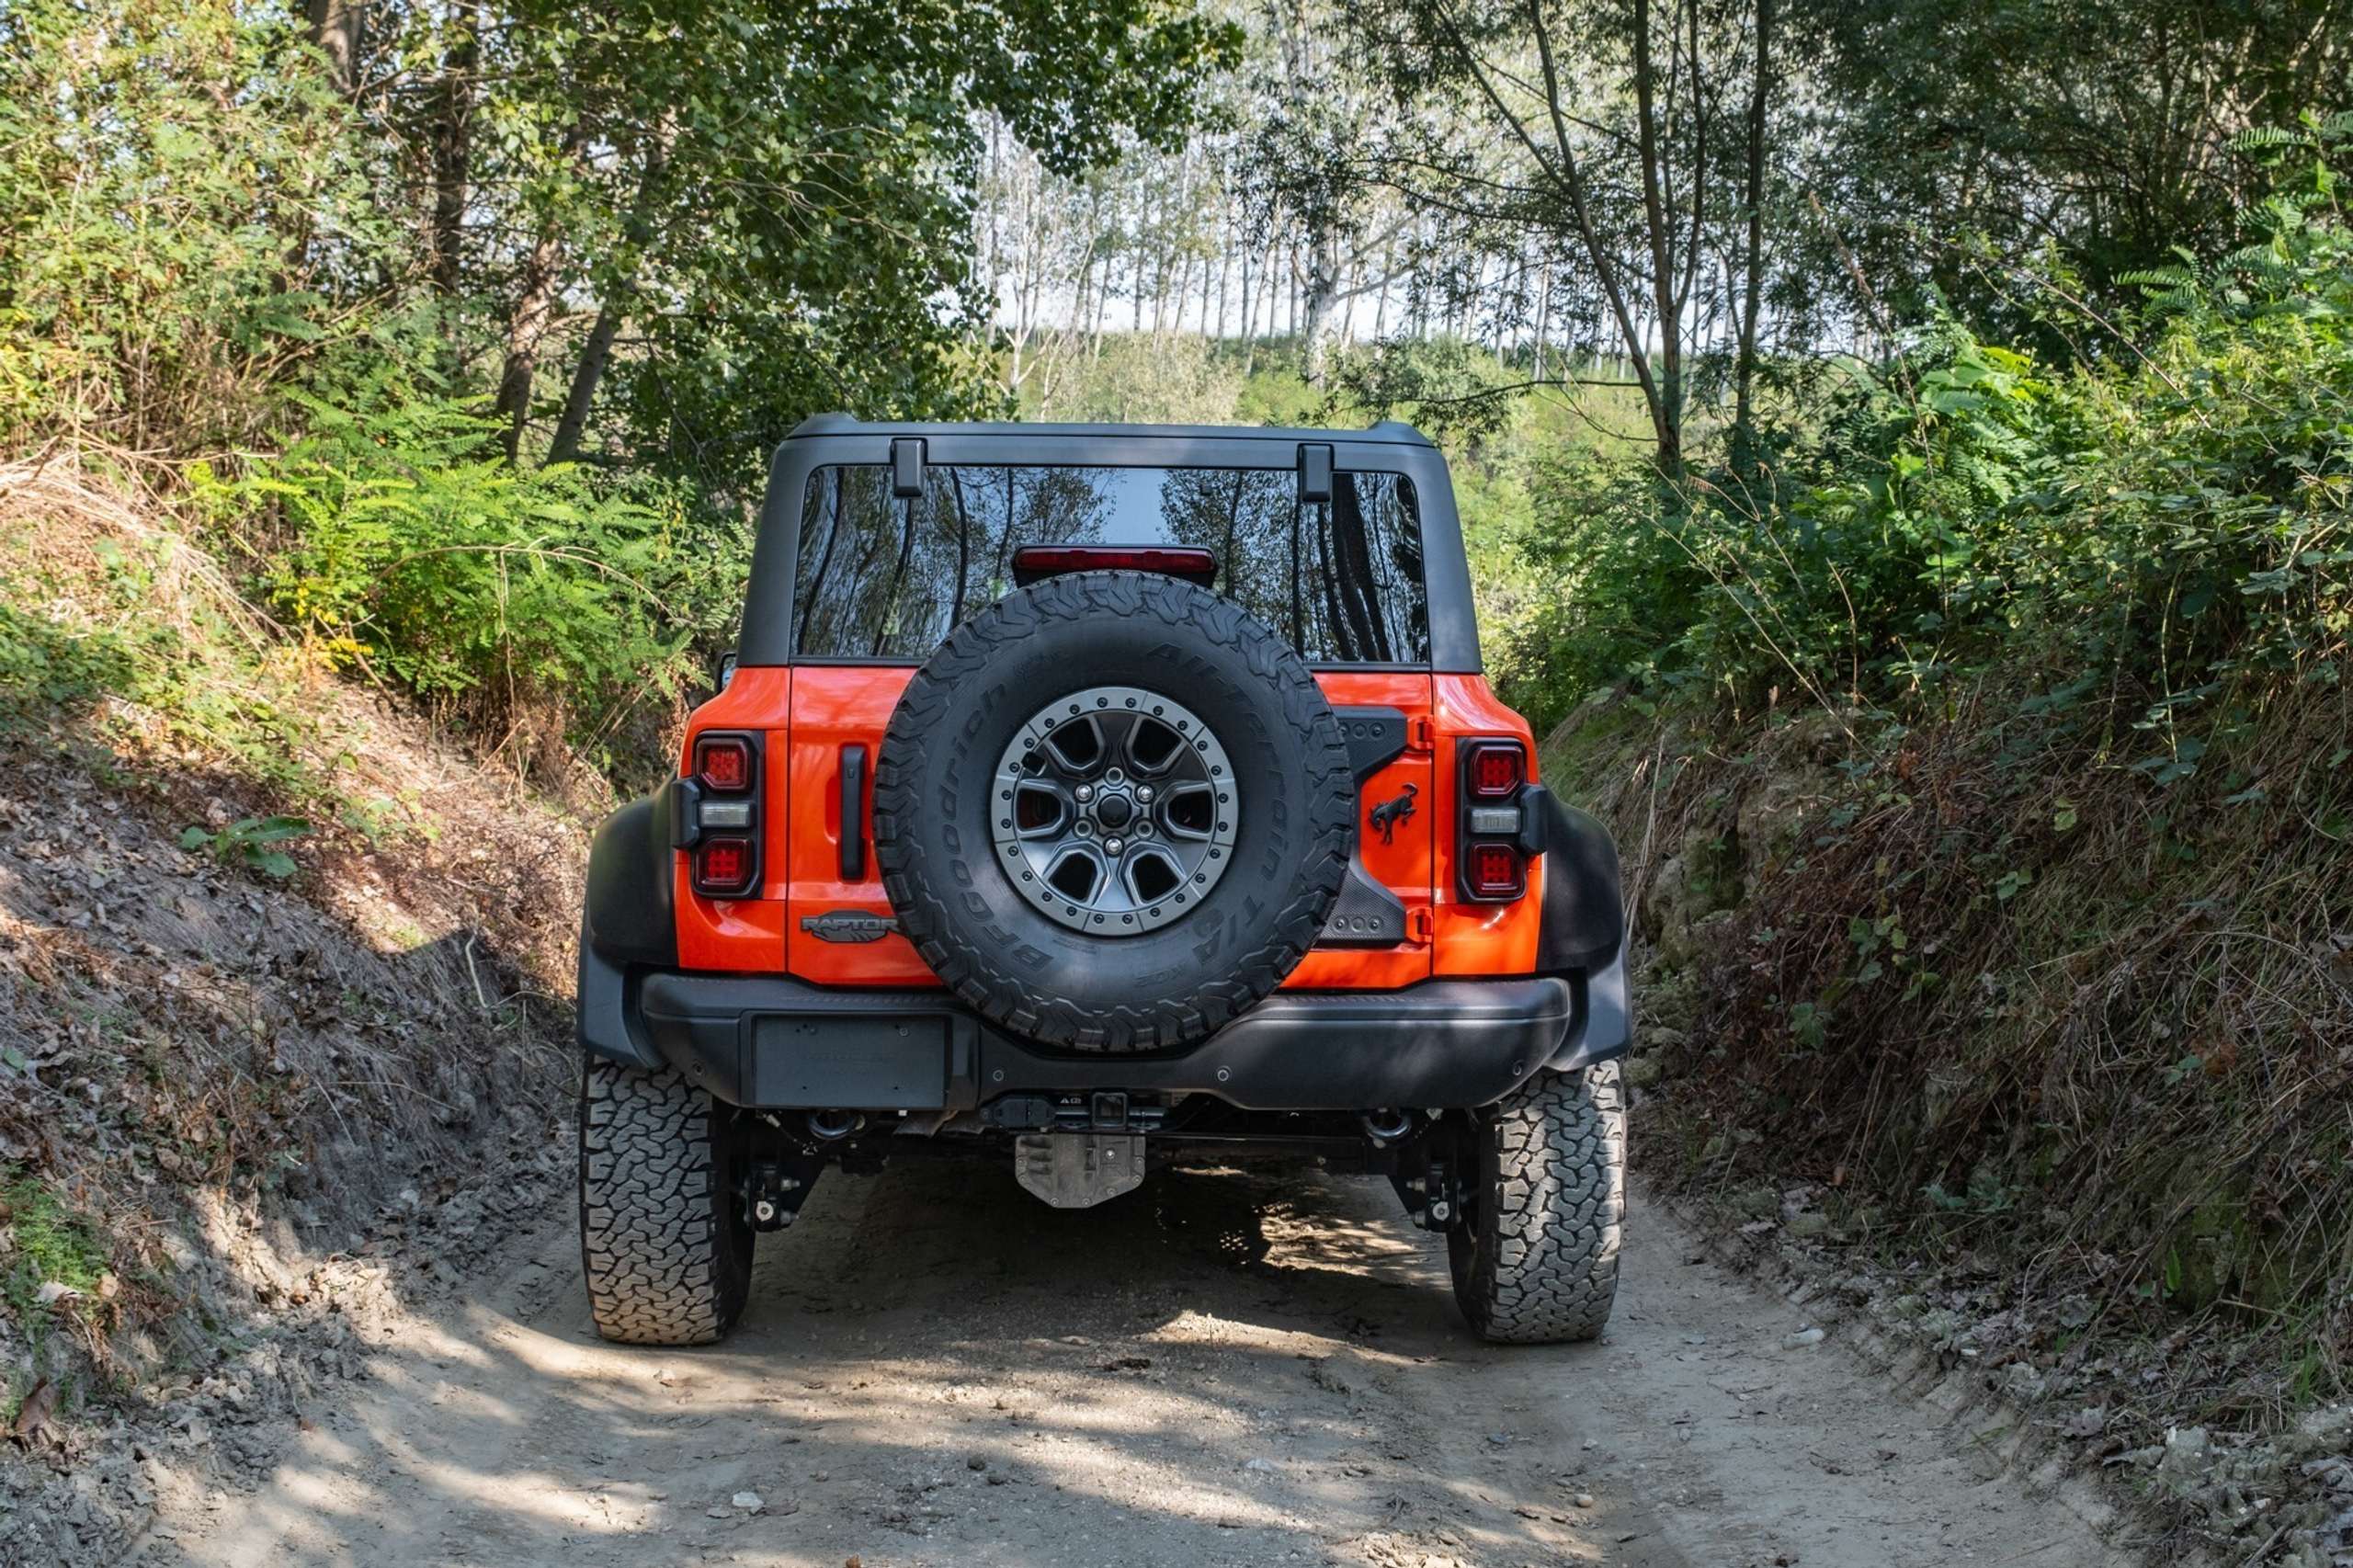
(1583, 919)
(627, 919)
(1583, 930)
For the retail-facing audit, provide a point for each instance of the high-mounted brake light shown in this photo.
(716, 814)
(1033, 562)
(1491, 843)
(723, 763)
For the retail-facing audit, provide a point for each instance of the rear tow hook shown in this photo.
(773, 1191)
(1432, 1198)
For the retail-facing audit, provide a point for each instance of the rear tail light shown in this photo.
(1495, 770)
(723, 763)
(1491, 847)
(724, 867)
(1495, 871)
(718, 821)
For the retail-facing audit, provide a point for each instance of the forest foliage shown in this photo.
(468, 327)
(465, 328)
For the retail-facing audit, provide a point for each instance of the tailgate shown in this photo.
(1377, 938)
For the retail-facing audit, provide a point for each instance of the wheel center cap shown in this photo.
(1113, 810)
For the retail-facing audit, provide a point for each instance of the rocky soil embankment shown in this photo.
(1858, 1169)
(283, 984)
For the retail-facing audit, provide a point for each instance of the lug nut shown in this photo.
(1113, 846)
(1084, 792)
(1143, 794)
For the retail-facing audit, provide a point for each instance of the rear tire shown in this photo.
(666, 1251)
(1535, 1261)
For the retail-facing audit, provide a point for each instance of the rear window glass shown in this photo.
(881, 577)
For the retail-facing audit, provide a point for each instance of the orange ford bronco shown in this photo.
(1098, 796)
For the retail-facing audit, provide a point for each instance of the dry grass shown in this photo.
(2028, 1016)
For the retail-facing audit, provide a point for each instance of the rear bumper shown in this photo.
(772, 1042)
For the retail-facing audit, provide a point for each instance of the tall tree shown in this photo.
(450, 138)
(2105, 130)
(762, 205)
(1597, 138)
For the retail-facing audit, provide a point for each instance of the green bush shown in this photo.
(396, 537)
(153, 160)
(2165, 524)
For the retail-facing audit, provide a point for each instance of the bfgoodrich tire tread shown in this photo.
(1537, 1262)
(971, 960)
(667, 1259)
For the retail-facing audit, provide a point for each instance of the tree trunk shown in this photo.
(527, 323)
(594, 355)
(452, 144)
(1666, 405)
(1543, 319)
(1320, 290)
(526, 329)
(598, 352)
(1249, 299)
(1224, 272)
(1744, 425)
(337, 27)
(1102, 302)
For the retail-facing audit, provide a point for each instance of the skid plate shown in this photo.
(1078, 1170)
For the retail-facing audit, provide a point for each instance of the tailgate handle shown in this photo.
(853, 814)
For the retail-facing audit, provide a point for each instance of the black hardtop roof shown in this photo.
(1391, 431)
(837, 438)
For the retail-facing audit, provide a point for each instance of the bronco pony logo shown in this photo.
(1386, 814)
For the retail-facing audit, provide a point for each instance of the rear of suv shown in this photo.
(1100, 797)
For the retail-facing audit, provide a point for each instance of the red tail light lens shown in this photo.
(1495, 870)
(723, 763)
(1495, 770)
(726, 866)
(717, 814)
(1491, 863)
(1033, 561)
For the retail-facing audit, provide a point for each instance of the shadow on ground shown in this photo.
(935, 1368)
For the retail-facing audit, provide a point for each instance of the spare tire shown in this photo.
(1113, 812)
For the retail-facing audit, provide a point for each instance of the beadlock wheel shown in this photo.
(1116, 810)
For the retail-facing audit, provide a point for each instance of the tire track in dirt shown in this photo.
(1218, 1370)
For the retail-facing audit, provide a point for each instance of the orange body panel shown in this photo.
(807, 715)
(742, 933)
(833, 707)
(1479, 938)
(1402, 865)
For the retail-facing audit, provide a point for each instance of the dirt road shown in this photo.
(937, 1369)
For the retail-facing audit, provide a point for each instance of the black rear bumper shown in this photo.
(772, 1042)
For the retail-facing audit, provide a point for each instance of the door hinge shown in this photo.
(1422, 734)
(1419, 926)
